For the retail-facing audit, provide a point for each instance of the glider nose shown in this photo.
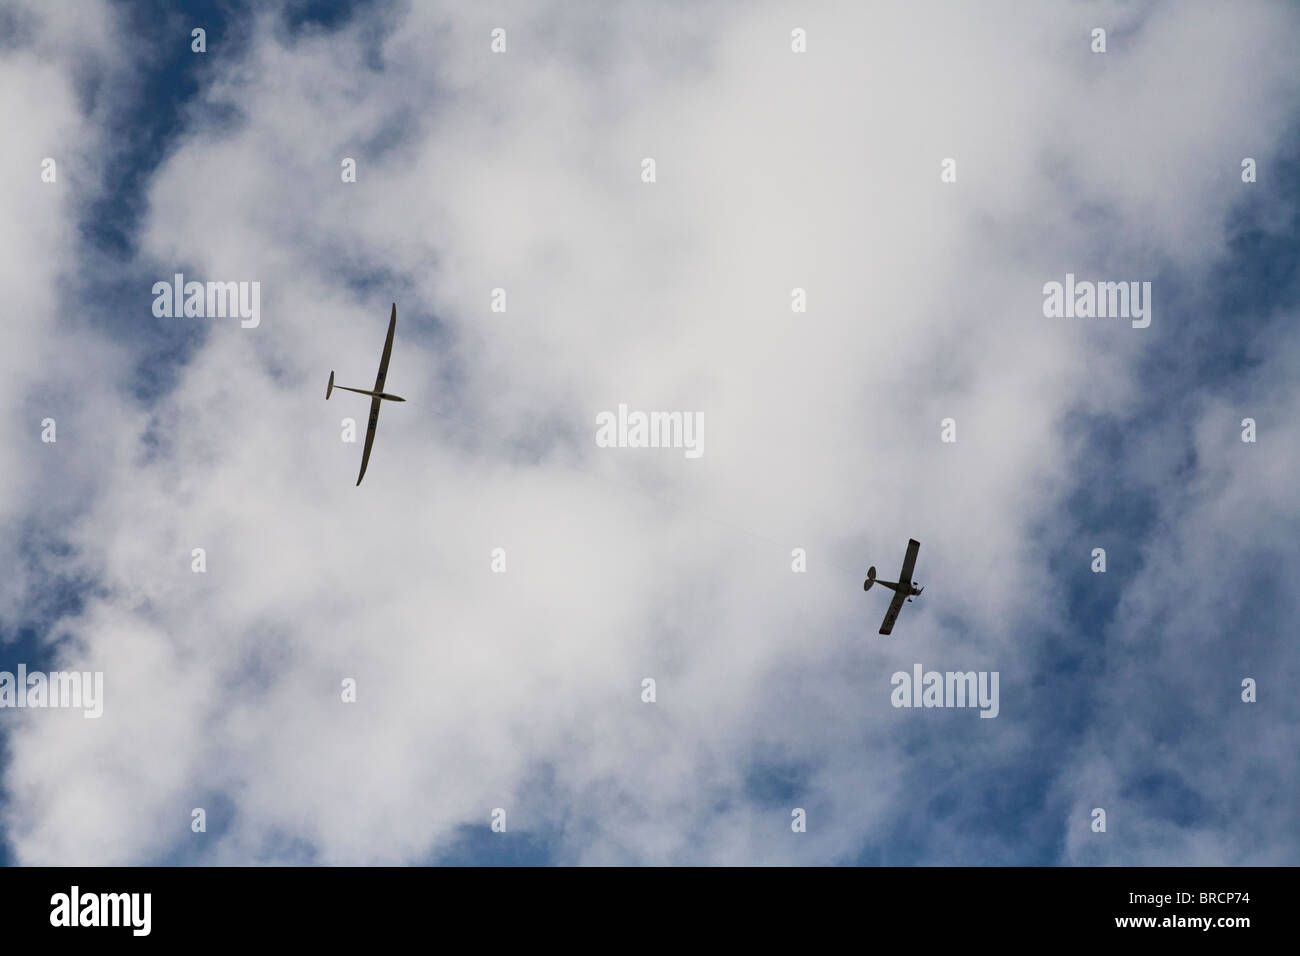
(871, 578)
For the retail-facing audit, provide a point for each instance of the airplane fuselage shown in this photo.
(910, 588)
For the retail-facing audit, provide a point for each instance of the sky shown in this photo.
(795, 146)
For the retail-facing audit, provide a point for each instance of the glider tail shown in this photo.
(330, 387)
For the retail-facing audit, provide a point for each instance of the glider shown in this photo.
(377, 394)
(904, 590)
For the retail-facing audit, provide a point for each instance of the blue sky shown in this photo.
(522, 690)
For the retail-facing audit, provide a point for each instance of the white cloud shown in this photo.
(50, 63)
(521, 171)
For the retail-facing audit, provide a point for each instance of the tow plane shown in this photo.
(904, 589)
(377, 394)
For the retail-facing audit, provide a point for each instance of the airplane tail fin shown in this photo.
(330, 387)
(871, 578)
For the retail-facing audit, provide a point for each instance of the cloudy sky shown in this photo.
(774, 170)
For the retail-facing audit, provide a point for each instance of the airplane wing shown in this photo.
(379, 387)
(370, 435)
(909, 560)
(895, 606)
(383, 362)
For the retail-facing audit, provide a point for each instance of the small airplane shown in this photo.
(905, 590)
(377, 394)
